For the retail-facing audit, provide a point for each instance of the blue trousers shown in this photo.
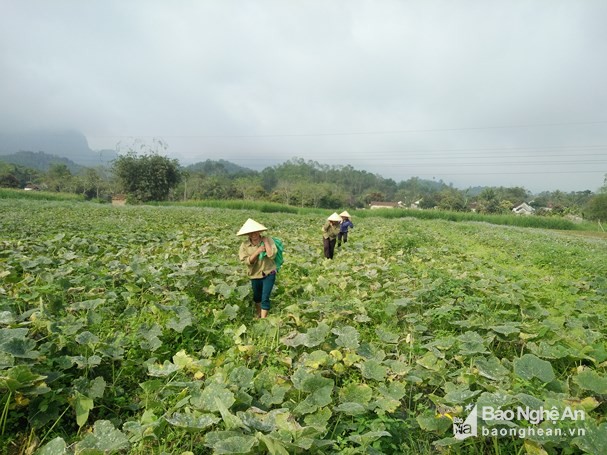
(262, 288)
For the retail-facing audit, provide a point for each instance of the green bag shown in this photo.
(278, 259)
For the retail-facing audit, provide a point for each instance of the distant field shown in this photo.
(130, 330)
(7, 193)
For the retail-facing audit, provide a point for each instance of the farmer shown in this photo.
(329, 234)
(343, 227)
(261, 268)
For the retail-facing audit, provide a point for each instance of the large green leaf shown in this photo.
(224, 442)
(591, 380)
(357, 393)
(56, 447)
(347, 337)
(206, 399)
(313, 337)
(372, 369)
(595, 439)
(491, 368)
(19, 378)
(192, 421)
(105, 438)
(83, 406)
(529, 366)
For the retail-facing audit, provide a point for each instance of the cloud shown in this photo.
(435, 88)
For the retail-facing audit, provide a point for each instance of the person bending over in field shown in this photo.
(343, 227)
(329, 234)
(258, 254)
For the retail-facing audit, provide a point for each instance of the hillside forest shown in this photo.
(152, 177)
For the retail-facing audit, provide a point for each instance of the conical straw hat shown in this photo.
(345, 214)
(251, 226)
(334, 217)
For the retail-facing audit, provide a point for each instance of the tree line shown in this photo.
(150, 176)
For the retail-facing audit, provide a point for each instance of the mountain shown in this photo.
(39, 160)
(220, 167)
(72, 145)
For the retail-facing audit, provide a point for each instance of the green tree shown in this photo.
(250, 187)
(147, 177)
(58, 178)
(596, 208)
(8, 176)
(451, 199)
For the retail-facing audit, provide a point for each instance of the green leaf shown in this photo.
(276, 396)
(105, 438)
(150, 340)
(83, 405)
(372, 369)
(19, 378)
(319, 420)
(6, 317)
(183, 320)
(318, 398)
(386, 336)
(394, 390)
(87, 305)
(230, 420)
(242, 377)
(347, 337)
(96, 387)
(491, 368)
(436, 423)
(368, 437)
(551, 351)
(591, 380)
(529, 366)
(20, 347)
(56, 447)
(506, 329)
(229, 442)
(471, 343)
(192, 421)
(313, 337)
(182, 360)
(87, 337)
(350, 408)
(164, 370)
(595, 439)
(357, 393)
(459, 394)
(309, 382)
(205, 400)
(431, 362)
(274, 446)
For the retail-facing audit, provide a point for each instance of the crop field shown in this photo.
(130, 330)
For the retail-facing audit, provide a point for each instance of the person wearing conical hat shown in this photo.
(329, 234)
(261, 268)
(343, 227)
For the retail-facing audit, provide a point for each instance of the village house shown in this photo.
(523, 209)
(386, 205)
(119, 199)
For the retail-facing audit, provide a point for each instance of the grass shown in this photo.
(9, 193)
(554, 223)
(504, 220)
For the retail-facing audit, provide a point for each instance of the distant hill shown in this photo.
(72, 145)
(39, 160)
(220, 167)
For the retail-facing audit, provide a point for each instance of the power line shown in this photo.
(355, 133)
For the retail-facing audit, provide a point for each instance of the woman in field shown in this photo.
(258, 254)
(343, 227)
(329, 234)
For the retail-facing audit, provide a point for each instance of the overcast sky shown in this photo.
(477, 92)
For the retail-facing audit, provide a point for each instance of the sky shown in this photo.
(470, 92)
